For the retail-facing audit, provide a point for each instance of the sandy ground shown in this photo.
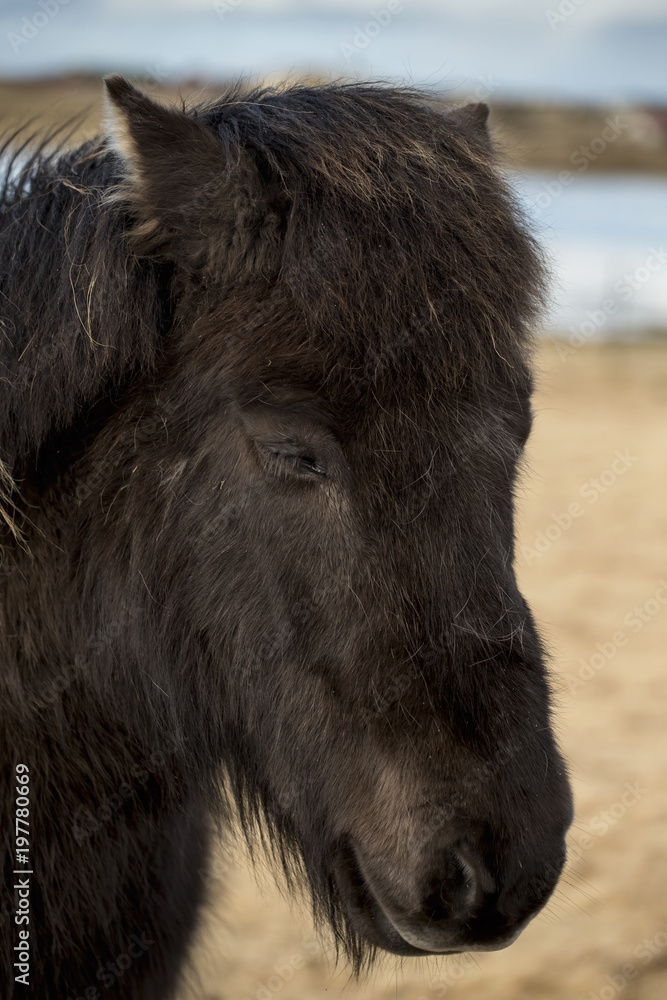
(593, 586)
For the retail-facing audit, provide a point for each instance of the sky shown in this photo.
(605, 51)
(591, 9)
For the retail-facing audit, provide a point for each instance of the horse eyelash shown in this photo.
(313, 467)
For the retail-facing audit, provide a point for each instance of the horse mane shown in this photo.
(73, 323)
(379, 210)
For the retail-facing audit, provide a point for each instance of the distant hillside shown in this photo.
(534, 136)
(578, 139)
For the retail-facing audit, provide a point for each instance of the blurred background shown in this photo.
(578, 92)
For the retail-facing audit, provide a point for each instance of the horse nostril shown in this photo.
(457, 886)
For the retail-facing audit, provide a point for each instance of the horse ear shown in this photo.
(474, 116)
(176, 168)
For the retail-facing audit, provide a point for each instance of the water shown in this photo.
(606, 237)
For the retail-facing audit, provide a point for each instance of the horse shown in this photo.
(265, 370)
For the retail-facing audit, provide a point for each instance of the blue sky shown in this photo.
(590, 9)
(600, 50)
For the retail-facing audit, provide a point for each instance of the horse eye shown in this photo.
(310, 466)
(291, 454)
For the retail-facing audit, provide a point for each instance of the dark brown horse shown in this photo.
(264, 386)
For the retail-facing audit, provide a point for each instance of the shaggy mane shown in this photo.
(368, 225)
(354, 236)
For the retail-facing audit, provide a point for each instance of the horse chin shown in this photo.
(366, 915)
(396, 934)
